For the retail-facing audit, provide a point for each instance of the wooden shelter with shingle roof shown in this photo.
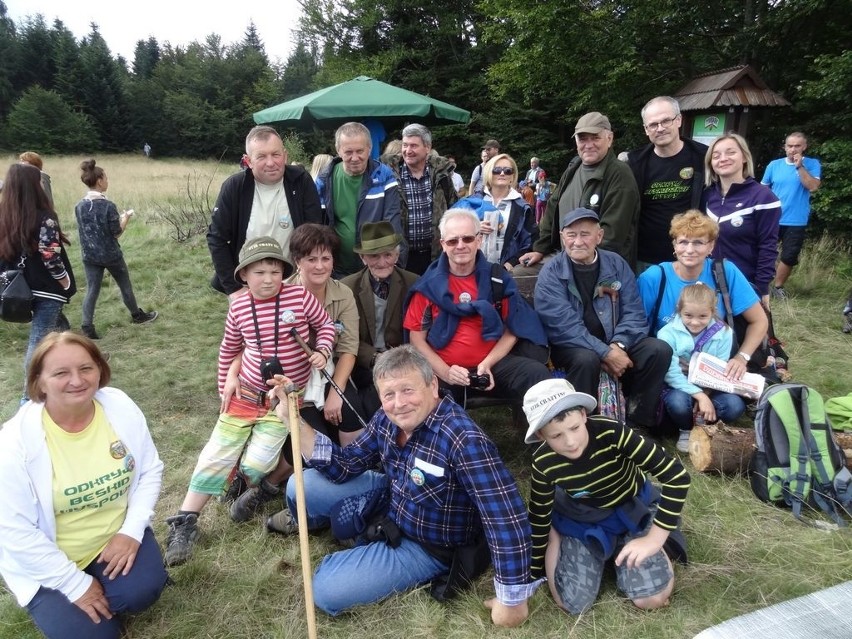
(720, 101)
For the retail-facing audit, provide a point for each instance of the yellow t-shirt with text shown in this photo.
(92, 473)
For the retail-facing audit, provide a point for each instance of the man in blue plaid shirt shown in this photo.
(448, 488)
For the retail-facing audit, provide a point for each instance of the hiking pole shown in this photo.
(295, 335)
(611, 291)
(301, 508)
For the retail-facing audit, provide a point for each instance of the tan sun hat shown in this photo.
(261, 248)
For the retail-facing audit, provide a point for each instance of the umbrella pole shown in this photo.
(301, 510)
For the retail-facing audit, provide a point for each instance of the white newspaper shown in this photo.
(707, 371)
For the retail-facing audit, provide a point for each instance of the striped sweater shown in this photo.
(610, 472)
(298, 309)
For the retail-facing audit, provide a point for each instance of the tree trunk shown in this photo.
(721, 449)
(718, 448)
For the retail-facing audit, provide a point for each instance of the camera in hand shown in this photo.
(270, 367)
(478, 382)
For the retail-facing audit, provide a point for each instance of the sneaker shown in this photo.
(683, 441)
(778, 292)
(89, 331)
(183, 533)
(847, 318)
(282, 523)
(247, 505)
(141, 317)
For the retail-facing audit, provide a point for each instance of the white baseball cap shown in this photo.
(547, 399)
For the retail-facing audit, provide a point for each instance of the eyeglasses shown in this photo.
(682, 244)
(502, 170)
(662, 124)
(464, 239)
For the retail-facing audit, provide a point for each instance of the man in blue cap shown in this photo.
(594, 319)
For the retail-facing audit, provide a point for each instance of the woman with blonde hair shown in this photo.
(694, 237)
(515, 229)
(320, 164)
(747, 211)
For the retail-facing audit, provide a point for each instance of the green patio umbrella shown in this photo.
(360, 99)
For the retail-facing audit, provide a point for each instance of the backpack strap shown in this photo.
(722, 287)
(823, 489)
(653, 318)
(497, 287)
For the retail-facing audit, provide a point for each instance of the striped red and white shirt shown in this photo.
(297, 308)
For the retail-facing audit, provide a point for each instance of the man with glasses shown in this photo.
(594, 180)
(426, 190)
(471, 334)
(589, 303)
(670, 175)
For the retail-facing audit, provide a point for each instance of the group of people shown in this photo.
(383, 359)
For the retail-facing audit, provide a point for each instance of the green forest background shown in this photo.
(526, 69)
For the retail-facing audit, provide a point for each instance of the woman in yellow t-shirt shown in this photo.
(80, 476)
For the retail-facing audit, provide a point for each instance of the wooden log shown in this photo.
(718, 448)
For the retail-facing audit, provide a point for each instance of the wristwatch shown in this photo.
(620, 345)
(745, 356)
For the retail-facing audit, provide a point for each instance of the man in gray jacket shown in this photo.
(590, 307)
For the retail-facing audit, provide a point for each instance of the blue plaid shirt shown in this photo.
(463, 488)
(418, 197)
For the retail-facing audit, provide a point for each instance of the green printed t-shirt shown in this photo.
(92, 473)
(347, 189)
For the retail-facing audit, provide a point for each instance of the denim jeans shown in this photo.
(46, 318)
(364, 574)
(59, 618)
(94, 278)
(679, 406)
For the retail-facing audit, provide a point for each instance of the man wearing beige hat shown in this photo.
(380, 289)
(594, 180)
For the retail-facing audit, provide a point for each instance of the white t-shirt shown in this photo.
(270, 215)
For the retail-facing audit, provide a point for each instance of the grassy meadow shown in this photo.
(243, 583)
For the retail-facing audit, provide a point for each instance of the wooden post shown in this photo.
(302, 511)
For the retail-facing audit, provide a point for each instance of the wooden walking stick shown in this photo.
(301, 509)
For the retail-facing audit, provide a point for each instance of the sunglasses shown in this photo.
(502, 170)
(465, 239)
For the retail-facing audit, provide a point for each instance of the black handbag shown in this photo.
(16, 297)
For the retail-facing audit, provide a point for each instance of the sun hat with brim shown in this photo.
(377, 237)
(261, 248)
(547, 399)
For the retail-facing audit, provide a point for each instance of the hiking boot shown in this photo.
(778, 292)
(282, 523)
(236, 488)
(141, 317)
(247, 505)
(683, 441)
(183, 533)
(89, 331)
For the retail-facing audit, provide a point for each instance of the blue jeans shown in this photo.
(364, 574)
(59, 618)
(46, 318)
(94, 278)
(679, 406)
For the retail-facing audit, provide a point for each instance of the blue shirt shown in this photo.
(743, 295)
(448, 483)
(783, 178)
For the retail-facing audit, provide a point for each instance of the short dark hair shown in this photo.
(306, 238)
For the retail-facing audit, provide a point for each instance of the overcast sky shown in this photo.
(123, 22)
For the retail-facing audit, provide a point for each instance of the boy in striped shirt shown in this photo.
(590, 501)
(257, 338)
